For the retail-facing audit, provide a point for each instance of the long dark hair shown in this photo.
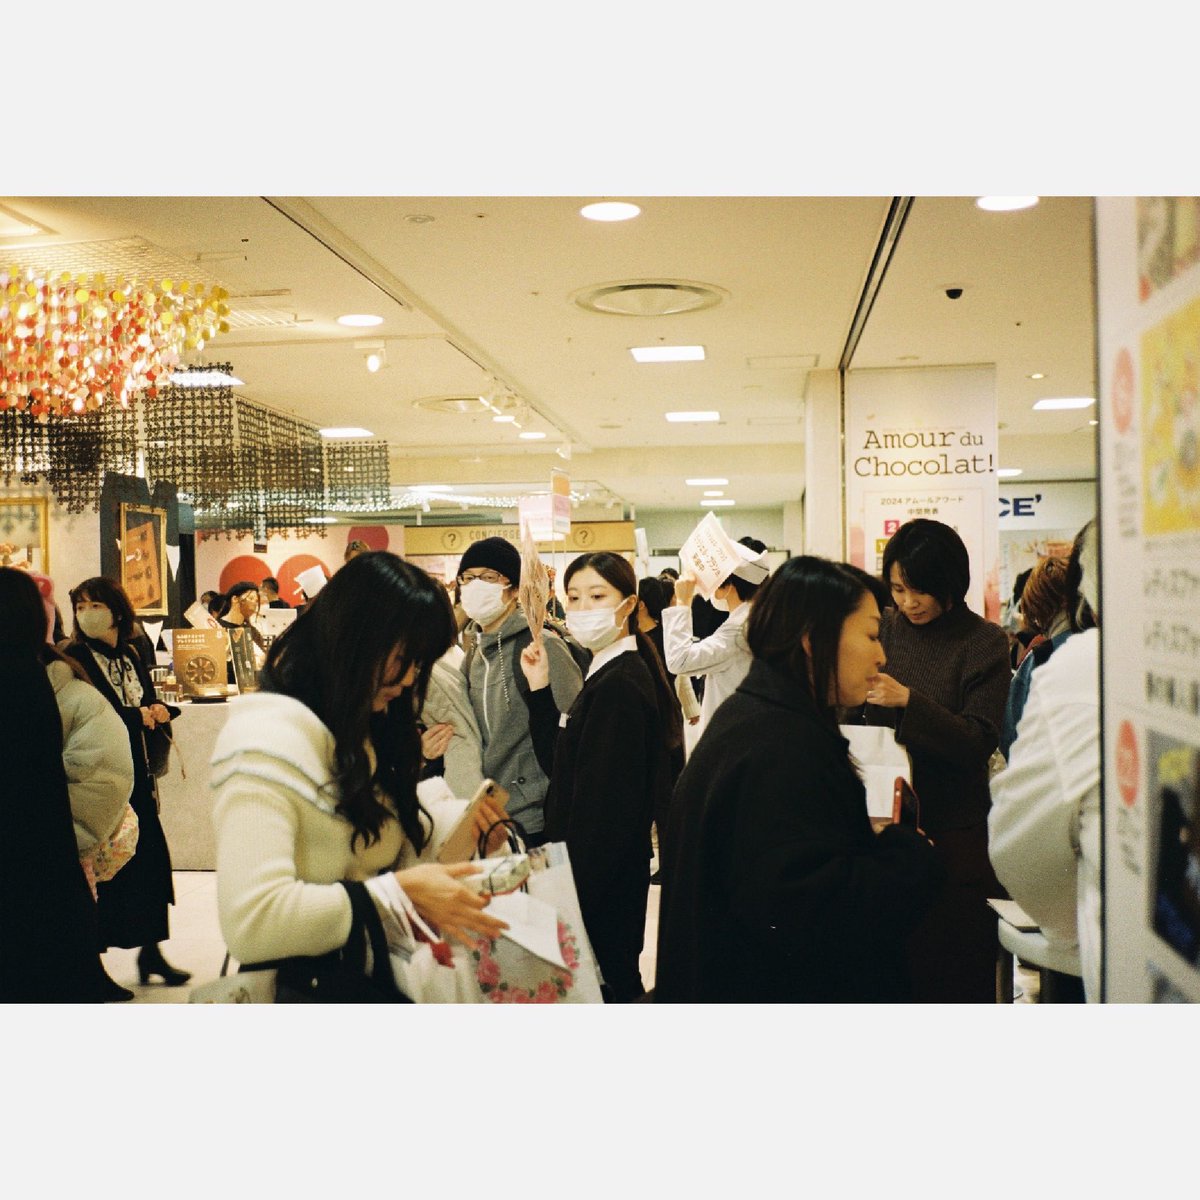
(224, 602)
(25, 622)
(810, 596)
(332, 660)
(615, 570)
(103, 591)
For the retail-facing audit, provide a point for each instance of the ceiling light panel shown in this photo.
(610, 210)
(1054, 403)
(660, 354)
(678, 418)
(346, 431)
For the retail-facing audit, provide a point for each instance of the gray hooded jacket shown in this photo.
(503, 714)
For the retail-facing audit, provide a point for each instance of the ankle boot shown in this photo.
(110, 991)
(150, 961)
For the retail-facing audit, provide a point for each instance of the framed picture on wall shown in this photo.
(143, 536)
(25, 533)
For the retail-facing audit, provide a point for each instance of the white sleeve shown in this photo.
(1033, 826)
(97, 761)
(265, 911)
(687, 657)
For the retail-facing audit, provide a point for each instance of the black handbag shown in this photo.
(158, 749)
(340, 977)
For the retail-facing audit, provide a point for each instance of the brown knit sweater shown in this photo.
(957, 669)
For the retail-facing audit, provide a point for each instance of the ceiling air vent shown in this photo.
(470, 405)
(649, 297)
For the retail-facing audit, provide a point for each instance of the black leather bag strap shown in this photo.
(367, 924)
(516, 836)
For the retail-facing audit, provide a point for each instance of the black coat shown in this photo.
(48, 951)
(132, 906)
(775, 886)
(610, 769)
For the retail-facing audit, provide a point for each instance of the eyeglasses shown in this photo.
(486, 576)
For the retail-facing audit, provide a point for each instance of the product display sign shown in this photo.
(921, 442)
(199, 656)
(1148, 261)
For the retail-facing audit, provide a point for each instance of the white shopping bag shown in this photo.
(881, 759)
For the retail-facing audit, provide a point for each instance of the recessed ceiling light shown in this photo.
(1005, 203)
(1038, 375)
(360, 320)
(717, 503)
(504, 419)
(321, 520)
(706, 482)
(609, 210)
(532, 435)
(678, 417)
(1057, 402)
(646, 354)
(1009, 472)
(714, 493)
(1093, 421)
(346, 431)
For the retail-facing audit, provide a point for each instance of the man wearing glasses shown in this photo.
(489, 575)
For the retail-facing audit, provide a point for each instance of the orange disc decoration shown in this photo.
(67, 344)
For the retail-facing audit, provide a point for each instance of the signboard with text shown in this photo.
(1148, 261)
(921, 442)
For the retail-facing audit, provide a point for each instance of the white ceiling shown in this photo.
(482, 293)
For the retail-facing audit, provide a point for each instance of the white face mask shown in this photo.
(594, 628)
(94, 622)
(483, 601)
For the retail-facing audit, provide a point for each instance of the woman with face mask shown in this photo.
(611, 763)
(132, 906)
(722, 658)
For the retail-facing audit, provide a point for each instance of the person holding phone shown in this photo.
(776, 888)
(316, 780)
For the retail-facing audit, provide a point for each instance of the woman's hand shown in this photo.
(441, 900)
(685, 591)
(435, 741)
(535, 666)
(887, 693)
(154, 714)
(489, 812)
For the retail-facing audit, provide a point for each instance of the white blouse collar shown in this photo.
(620, 646)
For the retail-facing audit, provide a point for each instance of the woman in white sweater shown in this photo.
(316, 780)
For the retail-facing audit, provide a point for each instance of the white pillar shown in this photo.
(824, 502)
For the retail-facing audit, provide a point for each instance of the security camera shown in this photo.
(953, 293)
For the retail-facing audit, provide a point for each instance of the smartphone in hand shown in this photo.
(906, 808)
(463, 841)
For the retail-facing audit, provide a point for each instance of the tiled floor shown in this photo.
(196, 945)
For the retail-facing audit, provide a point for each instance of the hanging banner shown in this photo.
(1148, 288)
(560, 502)
(922, 442)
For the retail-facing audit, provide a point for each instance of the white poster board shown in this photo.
(922, 442)
(1148, 263)
(710, 555)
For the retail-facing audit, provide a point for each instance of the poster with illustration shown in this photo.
(1174, 780)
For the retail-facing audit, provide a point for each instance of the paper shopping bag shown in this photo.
(881, 760)
(552, 881)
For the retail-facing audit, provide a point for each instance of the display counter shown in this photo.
(186, 801)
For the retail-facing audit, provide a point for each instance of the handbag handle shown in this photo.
(367, 919)
(517, 836)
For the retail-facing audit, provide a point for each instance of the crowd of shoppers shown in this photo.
(776, 886)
